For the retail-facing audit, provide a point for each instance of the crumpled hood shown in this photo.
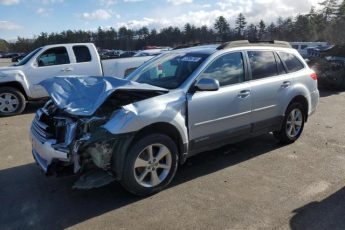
(82, 96)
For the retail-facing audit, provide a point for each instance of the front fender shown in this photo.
(136, 116)
(15, 75)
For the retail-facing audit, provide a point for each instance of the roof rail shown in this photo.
(239, 43)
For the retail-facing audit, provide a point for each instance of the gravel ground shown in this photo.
(255, 184)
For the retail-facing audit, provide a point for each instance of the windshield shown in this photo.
(27, 57)
(170, 70)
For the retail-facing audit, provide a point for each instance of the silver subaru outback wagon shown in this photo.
(138, 130)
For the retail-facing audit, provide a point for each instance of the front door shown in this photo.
(52, 62)
(215, 116)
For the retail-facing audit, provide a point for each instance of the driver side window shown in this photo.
(227, 69)
(53, 56)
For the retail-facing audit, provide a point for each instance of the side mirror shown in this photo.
(207, 84)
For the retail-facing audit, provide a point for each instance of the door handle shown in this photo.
(286, 84)
(244, 94)
(67, 69)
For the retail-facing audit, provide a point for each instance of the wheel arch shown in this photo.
(167, 129)
(16, 85)
(303, 101)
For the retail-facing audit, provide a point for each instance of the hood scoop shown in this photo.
(82, 96)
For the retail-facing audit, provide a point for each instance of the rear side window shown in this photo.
(291, 61)
(82, 53)
(227, 69)
(280, 66)
(263, 64)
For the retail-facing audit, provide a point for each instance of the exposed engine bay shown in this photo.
(70, 133)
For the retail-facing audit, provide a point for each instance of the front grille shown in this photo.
(41, 130)
(45, 127)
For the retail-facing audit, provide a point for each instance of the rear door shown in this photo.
(216, 116)
(269, 84)
(85, 62)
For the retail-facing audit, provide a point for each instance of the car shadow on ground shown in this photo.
(325, 214)
(30, 200)
(324, 92)
(33, 106)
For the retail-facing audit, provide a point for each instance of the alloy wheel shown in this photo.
(294, 123)
(152, 165)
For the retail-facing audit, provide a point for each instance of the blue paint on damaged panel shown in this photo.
(82, 96)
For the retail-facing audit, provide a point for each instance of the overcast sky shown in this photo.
(26, 18)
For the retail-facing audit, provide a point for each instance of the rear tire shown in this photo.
(12, 101)
(150, 165)
(292, 125)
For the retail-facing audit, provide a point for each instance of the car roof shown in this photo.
(234, 45)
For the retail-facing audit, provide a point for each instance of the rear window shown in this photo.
(291, 61)
(263, 64)
(82, 53)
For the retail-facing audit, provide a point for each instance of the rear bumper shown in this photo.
(314, 101)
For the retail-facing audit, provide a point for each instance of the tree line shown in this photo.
(325, 24)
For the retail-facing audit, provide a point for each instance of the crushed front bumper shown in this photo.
(45, 149)
(44, 153)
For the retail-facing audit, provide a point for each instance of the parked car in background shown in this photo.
(151, 52)
(20, 83)
(138, 130)
(19, 57)
(111, 54)
(10, 55)
(302, 47)
(127, 54)
(329, 64)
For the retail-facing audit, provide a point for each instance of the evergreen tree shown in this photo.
(262, 30)
(240, 25)
(223, 28)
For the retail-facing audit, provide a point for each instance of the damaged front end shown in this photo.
(70, 136)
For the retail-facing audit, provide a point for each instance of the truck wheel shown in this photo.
(150, 165)
(292, 125)
(12, 101)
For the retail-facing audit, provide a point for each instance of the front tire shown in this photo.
(292, 125)
(150, 165)
(12, 101)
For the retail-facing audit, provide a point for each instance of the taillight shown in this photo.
(314, 76)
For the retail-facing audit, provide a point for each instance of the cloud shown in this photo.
(179, 2)
(254, 11)
(206, 6)
(47, 2)
(9, 2)
(44, 12)
(7, 25)
(99, 14)
(107, 3)
(136, 24)
(133, 0)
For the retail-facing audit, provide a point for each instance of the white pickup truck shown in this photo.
(20, 83)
